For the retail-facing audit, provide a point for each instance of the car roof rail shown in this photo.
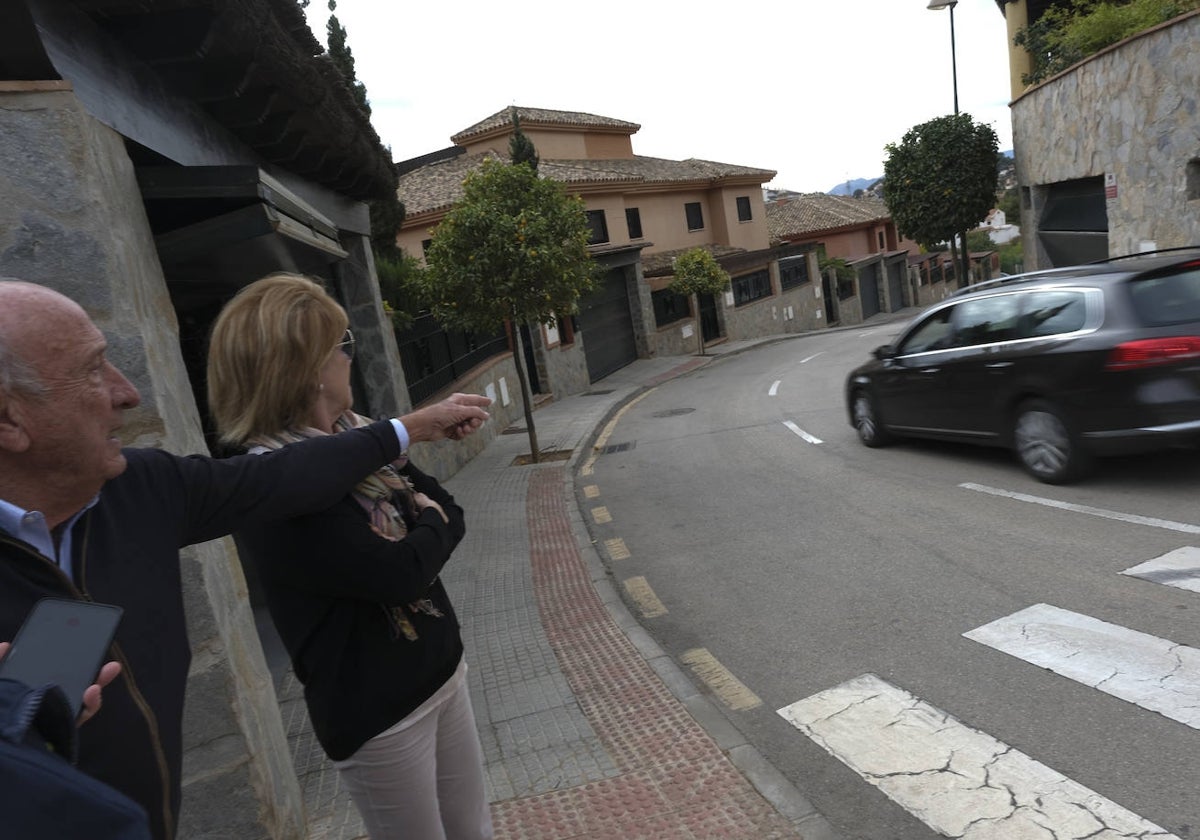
(1156, 251)
(1008, 280)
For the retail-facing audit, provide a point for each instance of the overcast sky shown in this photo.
(812, 89)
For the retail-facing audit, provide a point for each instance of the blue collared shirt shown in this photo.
(30, 526)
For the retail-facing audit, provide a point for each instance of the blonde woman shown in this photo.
(354, 590)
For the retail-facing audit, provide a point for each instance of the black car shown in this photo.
(1059, 365)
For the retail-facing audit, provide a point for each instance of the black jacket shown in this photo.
(126, 552)
(331, 582)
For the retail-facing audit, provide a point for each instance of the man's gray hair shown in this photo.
(17, 376)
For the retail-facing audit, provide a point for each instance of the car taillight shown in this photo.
(1148, 352)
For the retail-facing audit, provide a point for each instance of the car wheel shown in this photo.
(866, 420)
(1048, 449)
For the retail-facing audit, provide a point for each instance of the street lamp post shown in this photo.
(938, 5)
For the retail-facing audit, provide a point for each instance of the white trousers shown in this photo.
(423, 778)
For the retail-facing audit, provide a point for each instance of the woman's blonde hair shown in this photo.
(266, 352)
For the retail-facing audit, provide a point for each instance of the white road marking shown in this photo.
(957, 780)
(1150, 521)
(774, 388)
(1179, 568)
(1156, 674)
(813, 356)
(802, 433)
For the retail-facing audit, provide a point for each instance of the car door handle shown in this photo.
(997, 365)
(931, 370)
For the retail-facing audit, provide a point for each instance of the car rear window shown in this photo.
(1169, 299)
(1053, 312)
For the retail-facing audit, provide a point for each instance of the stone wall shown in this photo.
(1130, 113)
(71, 218)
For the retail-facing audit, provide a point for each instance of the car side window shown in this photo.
(986, 320)
(1172, 299)
(1053, 312)
(934, 333)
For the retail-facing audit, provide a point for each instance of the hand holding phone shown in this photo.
(63, 642)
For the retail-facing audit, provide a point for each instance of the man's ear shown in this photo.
(13, 434)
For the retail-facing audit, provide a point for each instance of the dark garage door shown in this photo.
(608, 340)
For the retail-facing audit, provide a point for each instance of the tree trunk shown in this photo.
(961, 281)
(966, 260)
(699, 323)
(526, 397)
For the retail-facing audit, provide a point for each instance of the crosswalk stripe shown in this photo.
(1179, 568)
(1156, 674)
(957, 780)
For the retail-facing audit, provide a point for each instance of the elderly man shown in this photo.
(80, 517)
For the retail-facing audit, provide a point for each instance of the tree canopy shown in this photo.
(941, 178)
(1068, 33)
(343, 59)
(520, 147)
(515, 247)
(698, 273)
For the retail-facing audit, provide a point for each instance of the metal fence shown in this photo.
(433, 357)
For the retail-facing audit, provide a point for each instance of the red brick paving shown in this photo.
(675, 782)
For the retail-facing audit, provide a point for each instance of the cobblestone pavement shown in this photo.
(589, 729)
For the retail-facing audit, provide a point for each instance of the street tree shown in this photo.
(940, 181)
(514, 248)
(698, 273)
(343, 58)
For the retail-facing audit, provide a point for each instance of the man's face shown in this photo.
(72, 425)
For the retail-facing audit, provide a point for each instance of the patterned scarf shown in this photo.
(385, 495)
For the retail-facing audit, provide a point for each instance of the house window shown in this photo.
(743, 207)
(880, 235)
(695, 215)
(598, 226)
(751, 287)
(669, 307)
(633, 219)
(425, 243)
(793, 272)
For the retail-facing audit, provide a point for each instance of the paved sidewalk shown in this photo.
(589, 729)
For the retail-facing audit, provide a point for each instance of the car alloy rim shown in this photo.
(1042, 442)
(864, 417)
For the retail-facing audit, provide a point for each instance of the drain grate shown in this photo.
(673, 412)
(617, 447)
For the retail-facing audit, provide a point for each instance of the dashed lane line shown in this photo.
(1167, 524)
(728, 689)
(648, 603)
(803, 434)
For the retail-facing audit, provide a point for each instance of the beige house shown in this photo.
(642, 211)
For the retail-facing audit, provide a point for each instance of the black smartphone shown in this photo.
(62, 642)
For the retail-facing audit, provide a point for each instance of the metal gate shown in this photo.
(868, 289)
(607, 326)
(895, 275)
(710, 324)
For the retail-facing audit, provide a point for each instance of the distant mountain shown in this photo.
(851, 186)
(854, 184)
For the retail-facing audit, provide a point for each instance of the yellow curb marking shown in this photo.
(601, 515)
(728, 688)
(617, 549)
(602, 440)
(647, 602)
(591, 491)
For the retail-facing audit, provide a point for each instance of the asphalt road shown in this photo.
(800, 559)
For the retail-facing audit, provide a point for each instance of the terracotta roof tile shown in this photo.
(816, 212)
(532, 117)
(438, 185)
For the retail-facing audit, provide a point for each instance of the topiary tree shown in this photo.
(520, 147)
(940, 180)
(698, 273)
(515, 248)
